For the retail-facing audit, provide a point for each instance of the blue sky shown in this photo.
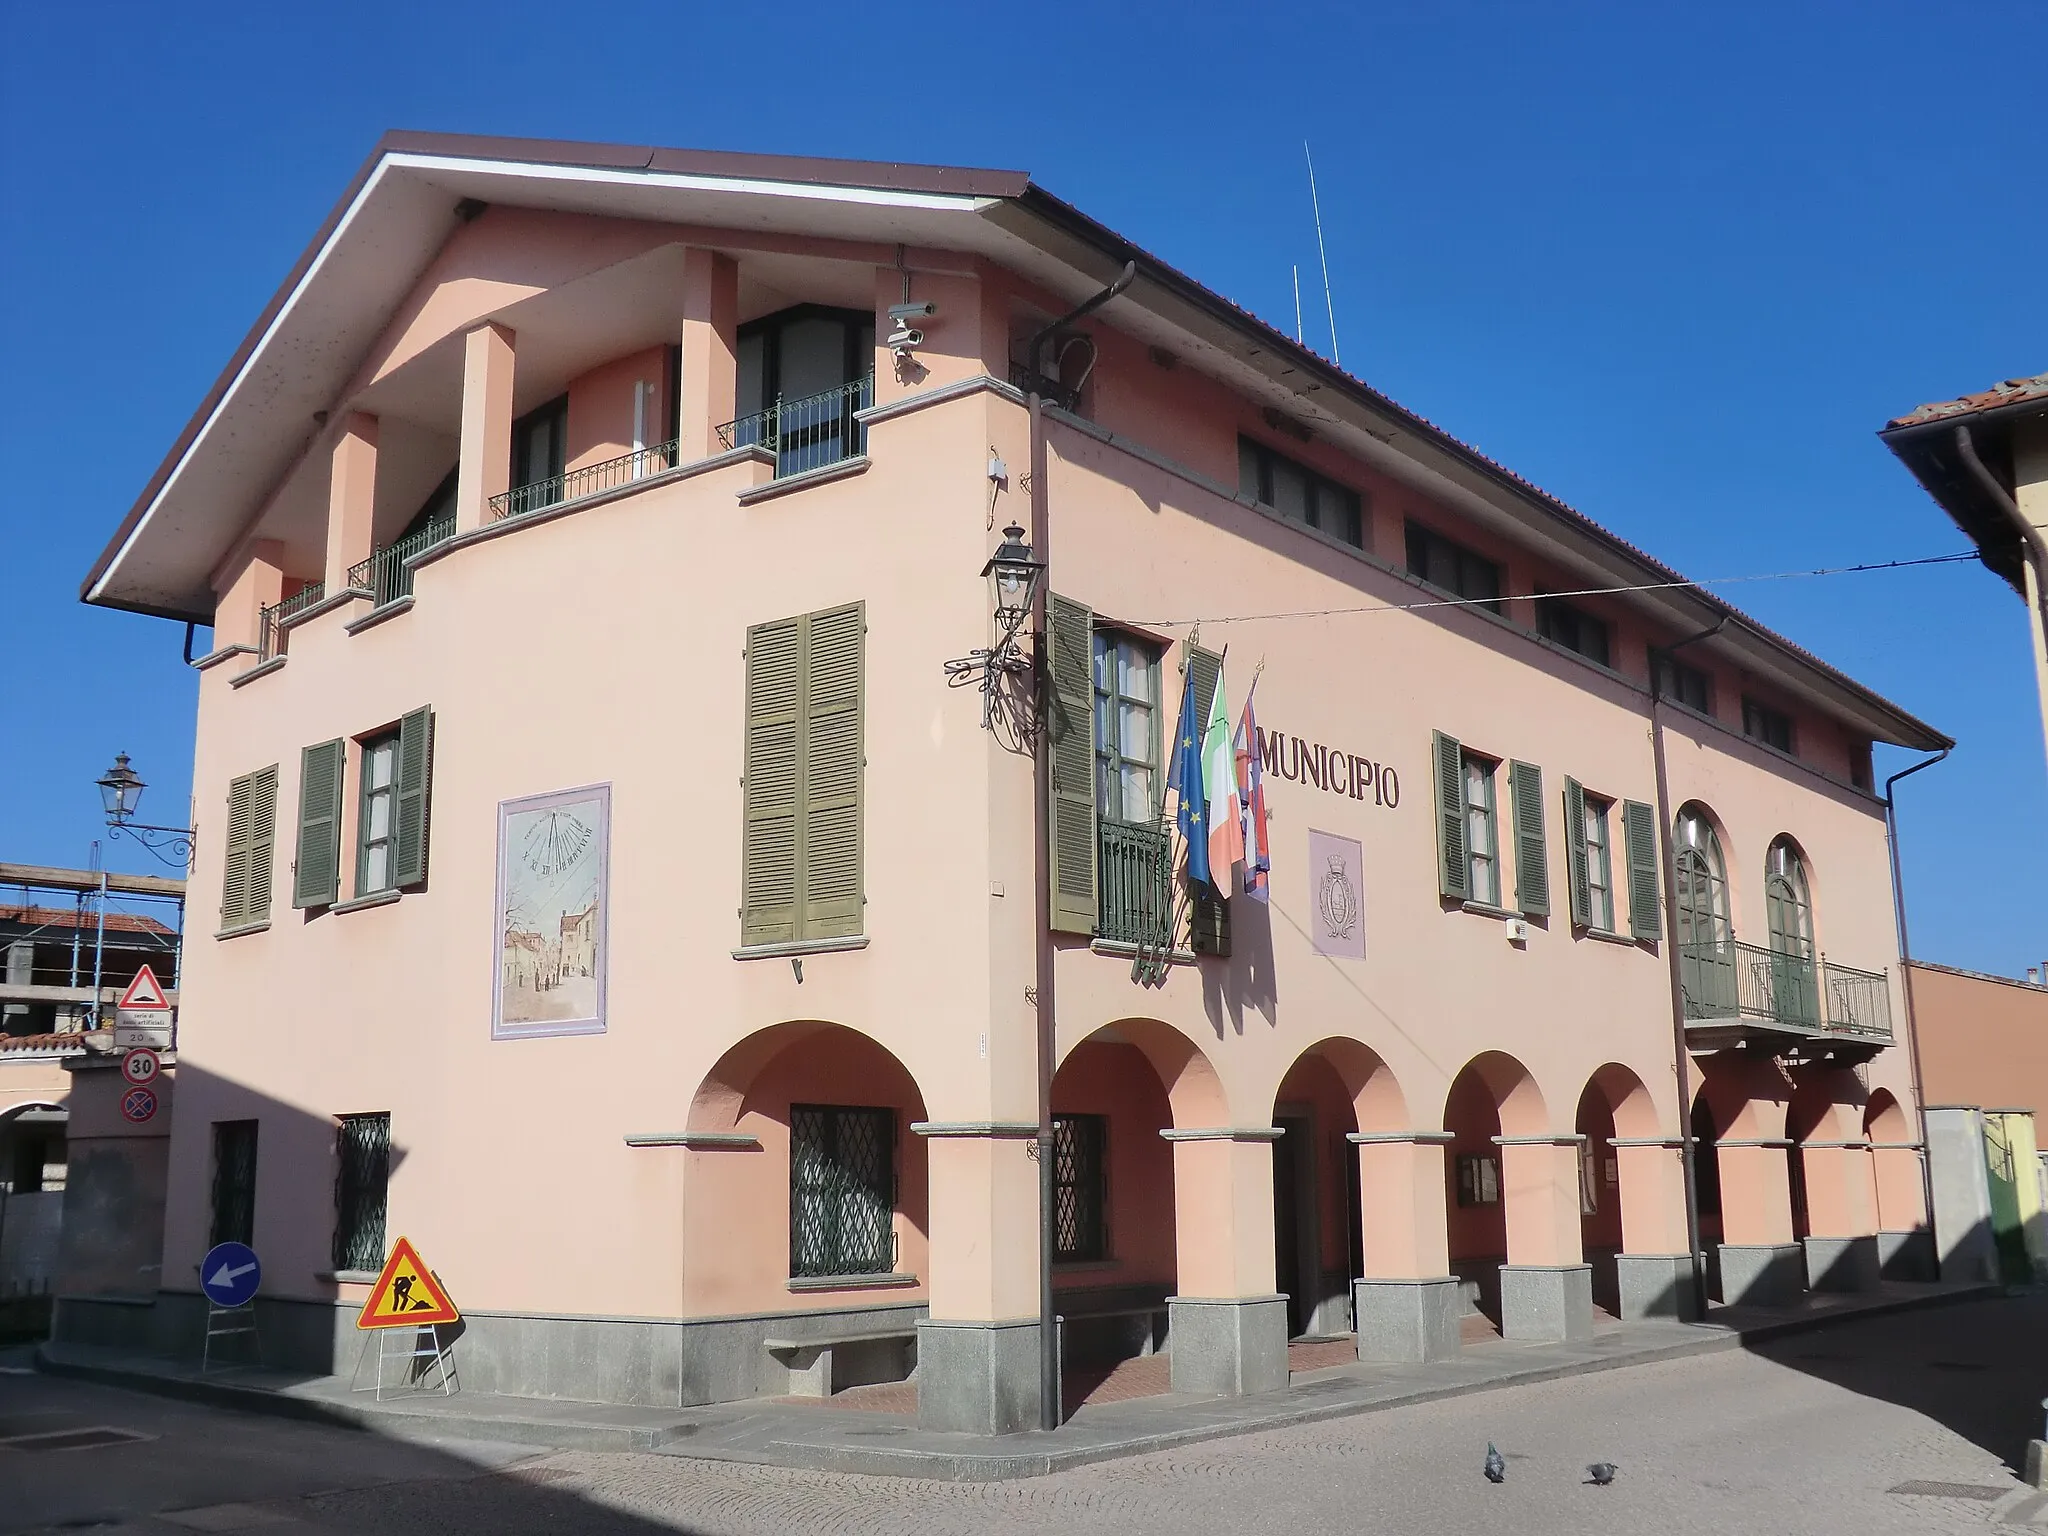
(1675, 269)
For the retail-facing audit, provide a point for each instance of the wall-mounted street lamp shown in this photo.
(1013, 574)
(121, 790)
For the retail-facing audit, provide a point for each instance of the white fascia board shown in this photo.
(872, 197)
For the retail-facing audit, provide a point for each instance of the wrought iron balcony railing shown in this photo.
(1735, 982)
(812, 433)
(387, 574)
(270, 623)
(575, 484)
(1134, 885)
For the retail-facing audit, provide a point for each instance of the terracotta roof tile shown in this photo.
(60, 917)
(47, 1042)
(2011, 392)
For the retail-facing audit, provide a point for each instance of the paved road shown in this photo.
(1810, 1435)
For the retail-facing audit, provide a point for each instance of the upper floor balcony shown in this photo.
(1739, 994)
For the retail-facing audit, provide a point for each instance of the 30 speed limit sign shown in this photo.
(141, 1066)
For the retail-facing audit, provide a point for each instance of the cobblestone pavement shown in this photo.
(1820, 1432)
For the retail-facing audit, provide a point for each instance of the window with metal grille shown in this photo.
(1080, 1179)
(842, 1190)
(363, 1150)
(234, 1182)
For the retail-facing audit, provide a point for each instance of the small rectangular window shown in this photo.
(1478, 1179)
(1599, 865)
(1685, 685)
(363, 1151)
(1482, 843)
(234, 1183)
(1299, 494)
(1080, 1188)
(375, 823)
(1859, 764)
(842, 1190)
(1770, 726)
(1573, 628)
(1455, 569)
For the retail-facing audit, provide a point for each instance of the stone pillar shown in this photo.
(710, 366)
(351, 498)
(253, 584)
(1905, 1240)
(484, 468)
(1227, 1327)
(1406, 1305)
(1654, 1272)
(1761, 1263)
(1962, 1193)
(1546, 1287)
(1841, 1216)
(977, 1349)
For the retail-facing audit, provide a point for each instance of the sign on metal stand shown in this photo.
(409, 1295)
(229, 1276)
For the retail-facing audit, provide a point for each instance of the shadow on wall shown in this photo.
(1976, 1368)
(250, 1167)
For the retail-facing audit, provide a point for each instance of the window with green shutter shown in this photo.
(412, 798)
(251, 843)
(1639, 831)
(316, 876)
(1587, 852)
(1532, 856)
(1453, 868)
(801, 854)
(1070, 784)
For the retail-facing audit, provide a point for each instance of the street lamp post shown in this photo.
(121, 790)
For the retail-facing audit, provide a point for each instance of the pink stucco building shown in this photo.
(615, 899)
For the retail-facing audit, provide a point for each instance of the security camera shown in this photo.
(903, 314)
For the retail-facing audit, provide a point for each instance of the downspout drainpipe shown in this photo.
(1049, 1404)
(1681, 1058)
(1891, 838)
(2033, 560)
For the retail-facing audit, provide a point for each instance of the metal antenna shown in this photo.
(1297, 303)
(1328, 302)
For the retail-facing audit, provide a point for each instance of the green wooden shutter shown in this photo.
(262, 856)
(1578, 858)
(239, 895)
(1453, 866)
(1208, 668)
(1070, 787)
(771, 801)
(316, 880)
(1532, 861)
(413, 797)
(829, 867)
(1639, 825)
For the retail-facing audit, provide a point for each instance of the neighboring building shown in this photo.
(1984, 458)
(614, 898)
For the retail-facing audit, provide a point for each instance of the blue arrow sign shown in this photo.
(230, 1274)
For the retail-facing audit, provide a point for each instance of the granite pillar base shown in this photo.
(1656, 1285)
(978, 1378)
(1841, 1263)
(1227, 1347)
(1546, 1302)
(1407, 1320)
(1907, 1255)
(1762, 1274)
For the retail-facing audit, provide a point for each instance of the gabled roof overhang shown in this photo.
(259, 417)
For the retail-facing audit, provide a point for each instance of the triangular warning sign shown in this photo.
(406, 1294)
(145, 991)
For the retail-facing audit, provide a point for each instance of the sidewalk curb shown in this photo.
(566, 1432)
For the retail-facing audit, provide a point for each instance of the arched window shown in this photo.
(1706, 940)
(1788, 912)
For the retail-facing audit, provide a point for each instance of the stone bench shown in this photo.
(818, 1366)
(1091, 1335)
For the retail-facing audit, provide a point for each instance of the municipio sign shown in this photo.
(143, 1015)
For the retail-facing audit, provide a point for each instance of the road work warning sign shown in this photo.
(406, 1294)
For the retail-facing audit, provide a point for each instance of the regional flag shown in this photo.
(1251, 800)
(1185, 776)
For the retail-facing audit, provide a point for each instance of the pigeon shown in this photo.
(1496, 1469)
(1602, 1472)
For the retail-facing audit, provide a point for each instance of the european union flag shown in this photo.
(1186, 777)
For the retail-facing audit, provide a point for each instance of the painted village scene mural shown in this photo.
(551, 927)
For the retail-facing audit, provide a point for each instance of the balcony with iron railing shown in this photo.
(1746, 995)
(810, 434)
(1134, 885)
(270, 624)
(577, 484)
(387, 574)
